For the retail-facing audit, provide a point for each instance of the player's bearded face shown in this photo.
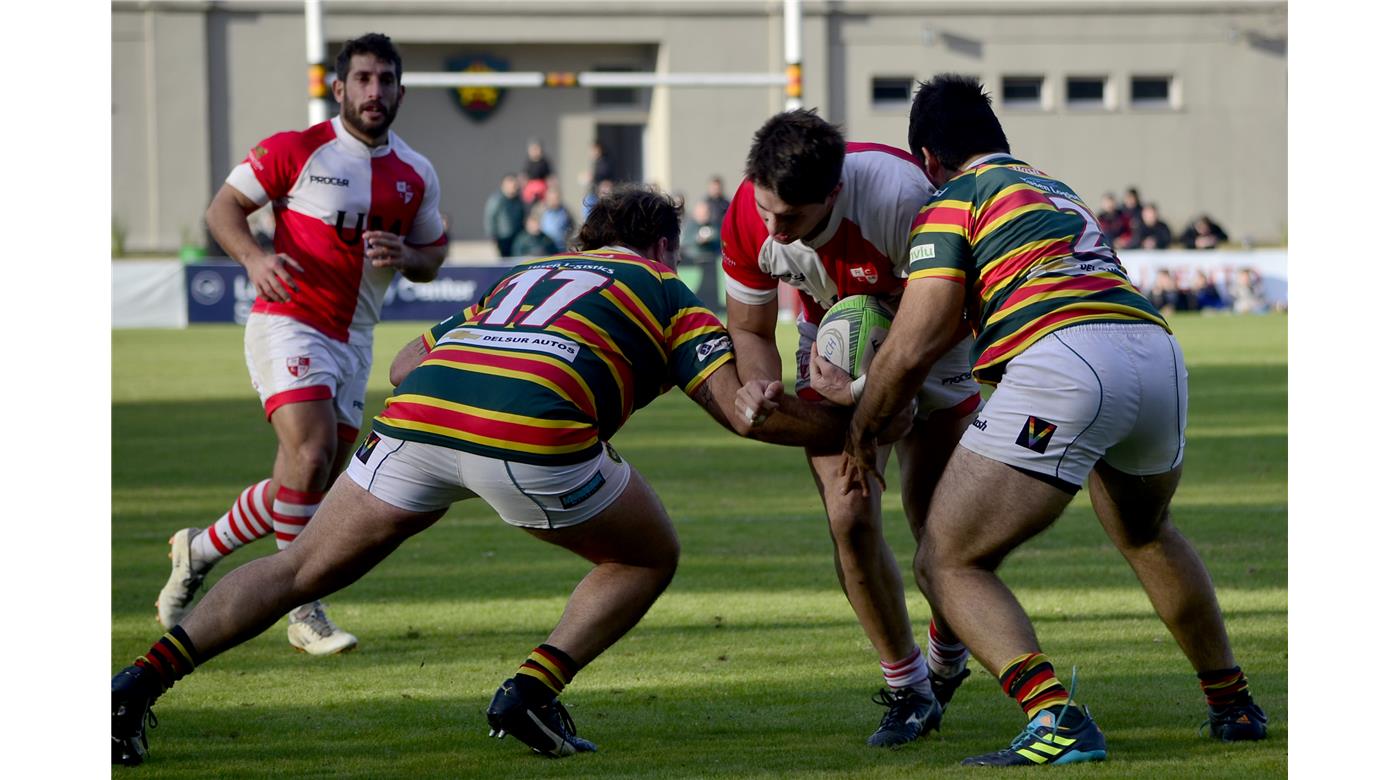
(371, 96)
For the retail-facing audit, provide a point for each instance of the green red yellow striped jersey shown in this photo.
(1030, 254)
(553, 360)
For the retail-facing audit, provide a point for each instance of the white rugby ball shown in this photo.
(852, 330)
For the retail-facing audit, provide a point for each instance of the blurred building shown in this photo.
(1184, 99)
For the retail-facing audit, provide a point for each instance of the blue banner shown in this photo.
(219, 291)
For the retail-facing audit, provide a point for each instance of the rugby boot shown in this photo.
(185, 579)
(546, 729)
(1065, 737)
(1238, 723)
(910, 715)
(133, 691)
(310, 631)
(943, 690)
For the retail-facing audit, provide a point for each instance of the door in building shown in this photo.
(623, 144)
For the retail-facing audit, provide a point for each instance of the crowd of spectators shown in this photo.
(1133, 224)
(1240, 290)
(527, 217)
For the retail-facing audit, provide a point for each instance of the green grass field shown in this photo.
(751, 664)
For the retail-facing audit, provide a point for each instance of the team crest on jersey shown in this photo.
(298, 366)
(405, 189)
(867, 273)
(478, 102)
(703, 351)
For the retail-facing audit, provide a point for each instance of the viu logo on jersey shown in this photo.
(405, 189)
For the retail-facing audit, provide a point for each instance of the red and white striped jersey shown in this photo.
(327, 189)
(863, 250)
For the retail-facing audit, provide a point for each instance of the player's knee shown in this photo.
(854, 530)
(313, 460)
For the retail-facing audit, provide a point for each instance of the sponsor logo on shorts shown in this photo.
(299, 366)
(957, 380)
(357, 405)
(980, 424)
(583, 492)
(367, 447)
(1035, 435)
(703, 351)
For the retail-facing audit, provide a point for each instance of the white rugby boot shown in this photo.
(185, 578)
(310, 631)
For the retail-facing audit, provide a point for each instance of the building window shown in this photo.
(891, 91)
(1086, 92)
(616, 97)
(1151, 92)
(1022, 91)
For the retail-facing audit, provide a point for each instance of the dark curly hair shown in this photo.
(631, 215)
(797, 155)
(952, 117)
(370, 43)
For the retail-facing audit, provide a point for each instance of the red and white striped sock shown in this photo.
(945, 659)
(909, 672)
(291, 510)
(248, 519)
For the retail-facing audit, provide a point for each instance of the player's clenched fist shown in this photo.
(758, 399)
(384, 249)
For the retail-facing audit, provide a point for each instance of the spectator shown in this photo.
(700, 236)
(1150, 232)
(1132, 205)
(599, 171)
(1203, 293)
(1111, 219)
(555, 219)
(505, 215)
(532, 242)
(1165, 296)
(604, 189)
(537, 172)
(1203, 234)
(714, 196)
(1247, 292)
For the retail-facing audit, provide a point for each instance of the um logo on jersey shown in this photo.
(352, 238)
(1035, 436)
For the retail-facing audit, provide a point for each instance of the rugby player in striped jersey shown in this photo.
(513, 401)
(1090, 386)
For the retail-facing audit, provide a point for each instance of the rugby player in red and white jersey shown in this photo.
(353, 205)
(832, 219)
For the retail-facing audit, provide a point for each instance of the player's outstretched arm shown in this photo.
(270, 274)
(753, 329)
(408, 359)
(786, 419)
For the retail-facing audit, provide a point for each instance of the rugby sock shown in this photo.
(291, 510)
(173, 656)
(1031, 681)
(945, 659)
(544, 674)
(248, 519)
(909, 672)
(1225, 688)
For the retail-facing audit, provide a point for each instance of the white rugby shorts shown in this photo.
(290, 361)
(1111, 391)
(949, 386)
(425, 477)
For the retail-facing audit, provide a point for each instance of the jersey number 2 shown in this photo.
(576, 285)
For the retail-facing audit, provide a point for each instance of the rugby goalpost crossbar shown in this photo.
(791, 79)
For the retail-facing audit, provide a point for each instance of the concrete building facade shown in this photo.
(1184, 99)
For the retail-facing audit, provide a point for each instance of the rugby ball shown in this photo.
(852, 330)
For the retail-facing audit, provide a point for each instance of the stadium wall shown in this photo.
(195, 84)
